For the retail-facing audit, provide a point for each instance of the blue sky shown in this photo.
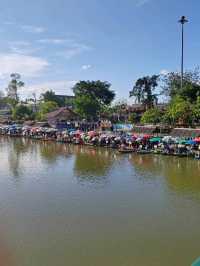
(53, 44)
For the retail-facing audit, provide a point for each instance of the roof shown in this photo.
(63, 111)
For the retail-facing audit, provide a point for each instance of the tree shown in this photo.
(196, 109)
(133, 118)
(21, 112)
(44, 108)
(179, 110)
(50, 96)
(13, 86)
(91, 97)
(144, 89)
(152, 116)
(191, 85)
(11, 101)
(47, 107)
(86, 106)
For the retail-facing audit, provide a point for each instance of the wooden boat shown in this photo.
(157, 152)
(126, 150)
(48, 139)
(180, 154)
(144, 152)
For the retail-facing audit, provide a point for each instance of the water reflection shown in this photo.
(182, 175)
(17, 151)
(93, 165)
(51, 151)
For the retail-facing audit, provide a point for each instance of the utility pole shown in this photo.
(183, 20)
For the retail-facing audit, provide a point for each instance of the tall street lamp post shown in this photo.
(183, 20)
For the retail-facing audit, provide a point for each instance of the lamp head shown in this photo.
(183, 20)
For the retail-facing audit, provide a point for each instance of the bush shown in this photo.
(152, 116)
(21, 112)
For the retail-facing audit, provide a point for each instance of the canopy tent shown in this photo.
(181, 141)
(155, 139)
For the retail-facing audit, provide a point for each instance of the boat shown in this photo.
(126, 150)
(144, 151)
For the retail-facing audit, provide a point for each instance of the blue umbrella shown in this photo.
(191, 142)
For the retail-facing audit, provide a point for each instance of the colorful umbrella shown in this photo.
(156, 139)
(190, 142)
(197, 139)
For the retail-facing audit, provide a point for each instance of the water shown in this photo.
(79, 206)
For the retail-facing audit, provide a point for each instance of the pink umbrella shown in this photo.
(197, 139)
(92, 133)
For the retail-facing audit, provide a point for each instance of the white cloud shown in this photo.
(141, 2)
(62, 87)
(74, 50)
(164, 72)
(22, 47)
(27, 66)
(9, 22)
(33, 29)
(53, 41)
(86, 67)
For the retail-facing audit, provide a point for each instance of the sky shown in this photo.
(55, 43)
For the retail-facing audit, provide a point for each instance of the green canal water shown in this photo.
(65, 205)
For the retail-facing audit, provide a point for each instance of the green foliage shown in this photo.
(191, 87)
(196, 109)
(44, 108)
(143, 90)
(12, 102)
(179, 110)
(152, 116)
(50, 96)
(133, 118)
(91, 97)
(47, 107)
(69, 102)
(86, 106)
(21, 112)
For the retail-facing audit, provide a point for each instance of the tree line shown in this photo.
(94, 99)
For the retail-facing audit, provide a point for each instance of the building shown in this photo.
(125, 111)
(61, 116)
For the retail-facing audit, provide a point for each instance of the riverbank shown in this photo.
(124, 142)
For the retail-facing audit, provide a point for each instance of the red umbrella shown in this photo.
(78, 132)
(146, 136)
